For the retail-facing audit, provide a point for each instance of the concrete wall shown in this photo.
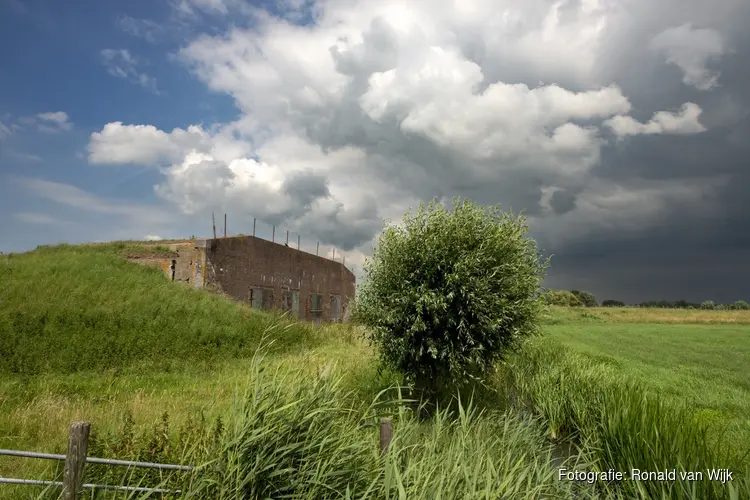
(177, 264)
(237, 265)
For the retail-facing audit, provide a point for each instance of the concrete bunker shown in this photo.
(268, 275)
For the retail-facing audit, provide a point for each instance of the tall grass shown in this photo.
(621, 424)
(292, 436)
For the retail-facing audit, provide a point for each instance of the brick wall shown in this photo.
(236, 265)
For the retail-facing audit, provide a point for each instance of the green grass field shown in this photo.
(159, 369)
(704, 366)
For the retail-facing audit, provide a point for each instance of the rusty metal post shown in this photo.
(213, 223)
(75, 460)
(254, 220)
(287, 237)
(273, 234)
(298, 238)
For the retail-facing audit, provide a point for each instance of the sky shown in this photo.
(621, 128)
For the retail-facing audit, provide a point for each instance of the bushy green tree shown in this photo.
(561, 298)
(708, 304)
(740, 305)
(612, 303)
(450, 292)
(586, 298)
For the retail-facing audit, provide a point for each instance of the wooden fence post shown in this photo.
(75, 460)
(386, 433)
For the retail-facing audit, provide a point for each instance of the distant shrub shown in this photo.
(612, 303)
(586, 298)
(562, 298)
(708, 304)
(449, 292)
(740, 305)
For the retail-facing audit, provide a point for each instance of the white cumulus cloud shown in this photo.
(691, 49)
(377, 105)
(682, 122)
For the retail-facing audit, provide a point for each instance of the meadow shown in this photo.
(275, 408)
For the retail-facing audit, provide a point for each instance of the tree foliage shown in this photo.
(612, 303)
(450, 291)
(586, 298)
(562, 298)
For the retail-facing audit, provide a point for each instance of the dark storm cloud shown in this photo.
(563, 201)
(345, 229)
(684, 255)
(679, 254)
(306, 187)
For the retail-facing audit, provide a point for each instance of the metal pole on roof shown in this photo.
(334, 254)
(254, 220)
(298, 238)
(273, 234)
(287, 237)
(317, 249)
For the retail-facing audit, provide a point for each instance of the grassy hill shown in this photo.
(172, 374)
(67, 309)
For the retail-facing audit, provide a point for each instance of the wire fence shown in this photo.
(76, 459)
(75, 463)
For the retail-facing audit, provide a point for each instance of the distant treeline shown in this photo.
(580, 298)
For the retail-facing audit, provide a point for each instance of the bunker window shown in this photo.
(256, 298)
(316, 306)
(286, 300)
(268, 298)
(335, 308)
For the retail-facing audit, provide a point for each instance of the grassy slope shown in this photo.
(79, 308)
(94, 337)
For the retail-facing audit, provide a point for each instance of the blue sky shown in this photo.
(56, 64)
(619, 127)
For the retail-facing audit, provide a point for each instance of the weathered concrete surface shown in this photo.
(177, 264)
(237, 265)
